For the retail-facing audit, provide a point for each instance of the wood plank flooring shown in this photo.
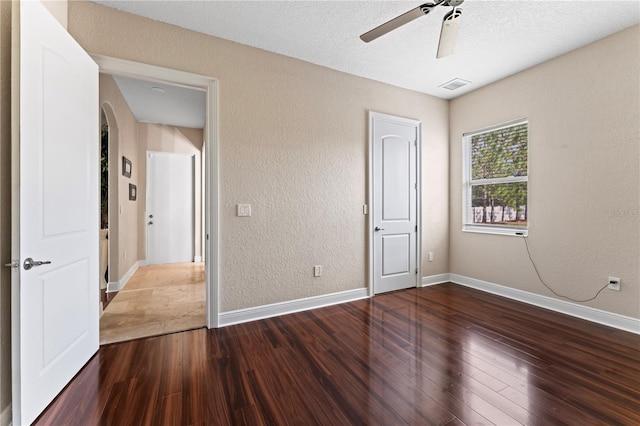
(158, 299)
(440, 355)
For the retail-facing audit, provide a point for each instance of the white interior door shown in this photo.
(55, 209)
(394, 206)
(170, 208)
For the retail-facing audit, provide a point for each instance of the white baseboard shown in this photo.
(197, 259)
(5, 416)
(119, 285)
(435, 279)
(584, 312)
(289, 307)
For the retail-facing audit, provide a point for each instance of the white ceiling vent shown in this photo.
(454, 84)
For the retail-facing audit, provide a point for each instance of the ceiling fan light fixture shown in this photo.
(449, 32)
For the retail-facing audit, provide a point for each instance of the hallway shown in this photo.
(158, 299)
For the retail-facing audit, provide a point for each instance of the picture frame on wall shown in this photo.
(133, 192)
(126, 167)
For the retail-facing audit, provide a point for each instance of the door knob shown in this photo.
(30, 263)
(150, 222)
(377, 228)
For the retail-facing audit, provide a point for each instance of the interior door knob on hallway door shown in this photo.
(377, 228)
(30, 263)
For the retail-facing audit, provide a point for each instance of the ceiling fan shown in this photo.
(448, 33)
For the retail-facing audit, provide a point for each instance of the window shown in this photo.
(495, 179)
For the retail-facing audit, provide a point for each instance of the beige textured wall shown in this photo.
(58, 8)
(160, 138)
(584, 133)
(125, 240)
(5, 204)
(293, 143)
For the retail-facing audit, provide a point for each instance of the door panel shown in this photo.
(63, 327)
(396, 251)
(396, 181)
(65, 181)
(394, 204)
(170, 208)
(55, 306)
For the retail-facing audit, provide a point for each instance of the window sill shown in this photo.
(496, 230)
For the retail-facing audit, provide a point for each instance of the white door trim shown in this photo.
(126, 68)
(370, 197)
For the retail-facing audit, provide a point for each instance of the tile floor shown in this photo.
(158, 299)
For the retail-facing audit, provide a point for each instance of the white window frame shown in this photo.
(467, 182)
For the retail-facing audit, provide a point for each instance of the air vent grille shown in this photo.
(454, 84)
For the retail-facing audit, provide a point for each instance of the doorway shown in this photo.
(159, 286)
(201, 261)
(394, 184)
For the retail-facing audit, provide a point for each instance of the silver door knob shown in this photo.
(150, 222)
(30, 263)
(377, 228)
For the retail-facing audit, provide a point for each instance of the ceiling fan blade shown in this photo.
(397, 22)
(449, 33)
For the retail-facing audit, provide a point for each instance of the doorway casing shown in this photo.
(138, 70)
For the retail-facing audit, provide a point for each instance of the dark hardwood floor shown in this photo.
(441, 355)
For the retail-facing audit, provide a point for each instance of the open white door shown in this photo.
(54, 210)
(394, 145)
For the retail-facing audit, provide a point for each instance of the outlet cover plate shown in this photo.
(614, 284)
(244, 210)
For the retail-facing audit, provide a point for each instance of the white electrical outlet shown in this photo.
(317, 271)
(430, 256)
(614, 284)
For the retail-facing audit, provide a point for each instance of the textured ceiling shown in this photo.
(496, 38)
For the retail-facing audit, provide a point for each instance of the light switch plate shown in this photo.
(244, 210)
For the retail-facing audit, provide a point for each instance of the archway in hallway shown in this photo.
(110, 226)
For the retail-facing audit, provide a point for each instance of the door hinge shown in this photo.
(415, 186)
(416, 271)
(416, 228)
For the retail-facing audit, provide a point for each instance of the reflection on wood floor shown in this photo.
(439, 355)
(158, 299)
